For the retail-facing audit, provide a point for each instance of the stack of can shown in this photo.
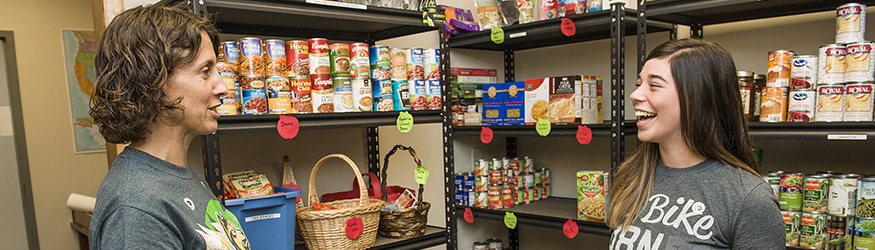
(465, 194)
(405, 79)
(298, 71)
(506, 182)
(226, 64)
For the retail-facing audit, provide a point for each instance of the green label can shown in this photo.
(774, 180)
(838, 230)
(790, 197)
(864, 233)
(815, 196)
(791, 226)
(812, 230)
(866, 198)
(843, 195)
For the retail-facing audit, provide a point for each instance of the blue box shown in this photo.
(268, 221)
(514, 103)
(493, 101)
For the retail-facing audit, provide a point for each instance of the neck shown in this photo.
(166, 143)
(678, 155)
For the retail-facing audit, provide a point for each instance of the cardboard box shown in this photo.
(514, 103)
(591, 196)
(599, 104)
(493, 103)
(562, 106)
(537, 99)
(468, 82)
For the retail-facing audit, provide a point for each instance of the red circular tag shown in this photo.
(354, 227)
(469, 216)
(287, 126)
(570, 229)
(584, 134)
(568, 28)
(486, 135)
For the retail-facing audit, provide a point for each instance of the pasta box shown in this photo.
(514, 103)
(493, 103)
(537, 99)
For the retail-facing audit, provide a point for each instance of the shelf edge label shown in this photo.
(287, 126)
(518, 34)
(339, 4)
(846, 137)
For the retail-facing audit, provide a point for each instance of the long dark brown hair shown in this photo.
(712, 123)
(139, 51)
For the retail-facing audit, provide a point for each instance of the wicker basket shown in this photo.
(327, 229)
(407, 223)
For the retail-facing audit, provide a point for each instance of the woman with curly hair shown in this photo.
(157, 89)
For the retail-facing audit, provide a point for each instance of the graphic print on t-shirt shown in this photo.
(662, 215)
(222, 231)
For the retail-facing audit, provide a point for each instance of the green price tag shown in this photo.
(509, 220)
(421, 174)
(497, 35)
(404, 122)
(543, 127)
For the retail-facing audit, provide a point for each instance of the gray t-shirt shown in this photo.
(710, 205)
(148, 203)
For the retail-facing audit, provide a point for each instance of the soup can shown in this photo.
(774, 180)
(803, 72)
(812, 230)
(250, 56)
(302, 102)
(831, 64)
(254, 98)
(361, 95)
(859, 66)
(230, 102)
(494, 196)
(338, 55)
(837, 229)
(815, 196)
(401, 95)
(830, 103)
(779, 68)
(322, 93)
(850, 23)
(802, 105)
(343, 100)
(415, 64)
(279, 99)
(792, 219)
(383, 95)
(320, 62)
(380, 61)
(399, 64)
(431, 58)
(359, 61)
(227, 58)
(773, 107)
(859, 101)
(791, 191)
(274, 57)
(843, 195)
(297, 59)
(418, 95)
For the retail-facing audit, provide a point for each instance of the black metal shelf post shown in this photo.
(447, 130)
(618, 83)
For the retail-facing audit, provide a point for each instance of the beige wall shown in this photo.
(55, 170)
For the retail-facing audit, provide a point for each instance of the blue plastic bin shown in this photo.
(268, 221)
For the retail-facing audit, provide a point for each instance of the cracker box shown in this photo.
(537, 99)
(591, 196)
(493, 103)
(514, 103)
(562, 106)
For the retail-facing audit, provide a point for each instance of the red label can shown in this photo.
(320, 63)
(297, 59)
(359, 61)
(494, 197)
(322, 92)
(302, 102)
(507, 195)
(250, 56)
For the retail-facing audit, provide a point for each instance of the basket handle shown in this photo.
(363, 193)
(386, 166)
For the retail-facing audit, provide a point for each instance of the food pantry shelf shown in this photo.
(552, 212)
(813, 130)
(433, 236)
(708, 12)
(267, 123)
(598, 130)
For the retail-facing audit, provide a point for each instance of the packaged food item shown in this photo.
(859, 101)
(301, 100)
(831, 61)
(839, 230)
(850, 23)
(590, 196)
(254, 95)
(227, 58)
(803, 72)
(759, 80)
(227, 178)
(399, 64)
(774, 104)
(858, 65)
(338, 56)
(779, 68)
(815, 196)
(527, 11)
(802, 105)
(361, 94)
(278, 95)
(792, 219)
(746, 89)
(492, 104)
(359, 61)
(252, 187)
(274, 57)
(297, 59)
(433, 94)
(343, 100)
(250, 56)
(843, 195)
(510, 13)
(791, 191)
(830, 103)
(561, 109)
(488, 14)
(401, 95)
(548, 9)
(537, 99)
(514, 104)
(415, 64)
(380, 60)
(774, 180)
(406, 200)
(322, 207)
(418, 95)
(320, 62)
(383, 95)
(231, 101)
(459, 20)
(595, 5)
(812, 230)
(322, 93)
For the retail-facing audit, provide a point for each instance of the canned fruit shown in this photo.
(850, 23)
(801, 106)
(830, 103)
(803, 72)
(859, 67)
(779, 68)
(859, 102)
(831, 64)
(774, 104)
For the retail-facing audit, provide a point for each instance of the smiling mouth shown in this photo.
(644, 115)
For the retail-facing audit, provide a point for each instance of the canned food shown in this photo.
(320, 63)
(399, 64)
(526, 197)
(545, 176)
(494, 196)
(480, 245)
(830, 103)
(812, 230)
(432, 60)
(433, 94)
(791, 191)
(302, 102)
(858, 101)
(461, 197)
(859, 67)
(472, 198)
(803, 72)
(864, 233)
(383, 96)
(774, 180)
(815, 196)
(745, 88)
(274, 57)
(837, 228)
(279, 99)
(297, 59)
(866, 198)
(536, 192)
(507, 195)
(544, 193)
(518, 194)
(760, 81)
(400, 95)
(250, 56)
(322, 93)
(528, 164)
(495, 164)
(227, 58)
(505, 162)
(480, 183)
(515, 164)
(495, 177)
(792, 219)
(415, 64)
(779, 68)
(850, 23)
(843, 195)
(254, 96)
(361, 95)
(359, 61)
(343, 101)
(230, 102)
(495, 244)
(468, 181)
(459, 181)
(831, 64)
(380, 61)
(338, 54)
(774, 104)
(529, 180)
(482, 199)
(417, 94)
(481, 167)
(537, 177)
(802, 105)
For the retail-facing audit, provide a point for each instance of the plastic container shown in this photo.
(268, 221)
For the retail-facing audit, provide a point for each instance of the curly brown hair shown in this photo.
(139, 51)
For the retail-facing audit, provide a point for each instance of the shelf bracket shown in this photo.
(618, 83)
(447, 129)
(511, 147)
(642, 33)
(696, 30)
(514, 238)
(373, 150)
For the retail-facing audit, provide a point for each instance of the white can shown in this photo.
(858, 101)
(843, 195)
(803, 72)
(830, 103)
(850, 23)
(831, 64)
(801, 105)
(859, 67)
(361, 94)
(343, 99)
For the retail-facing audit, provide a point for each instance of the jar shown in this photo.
(759, 81)
(746, 88)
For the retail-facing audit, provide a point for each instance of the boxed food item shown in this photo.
(459, 20)
(537, 99)
(598, 101)
(468, 82)
(514, 103)
(493, 103)
(562, 106)
(591, 196)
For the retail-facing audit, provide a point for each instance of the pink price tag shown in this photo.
(287, 126)
(570, 229)
(568, 27)
(486, 135)
(354, 227)
(469, 216)
(584, 134)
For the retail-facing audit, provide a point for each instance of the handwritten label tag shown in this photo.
(354, 227)
(509, 220)
(420, 175)
(570, 229)
(567, 27)
(486, 135)
(584, 134)
(287, 126)
(404, 122)
(497, 35)
(469, 216)
(543, 127)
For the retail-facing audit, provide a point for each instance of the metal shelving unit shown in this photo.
(598, 130)
(552, 213)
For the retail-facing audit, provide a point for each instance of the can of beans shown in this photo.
(401, 95)
(417, 94)
(859, 101)
(320, 63)
(432, 60)
(507, 195)
(815, 195)
(433, 94)
(361, 95)
(830, 103)
(792, 219)
(279, 99)
(380, 61)
(859, 66)
(359, 61)
(458, 181)
(494, 196)
(301, 100)
(812, 230)
(297, 59)
(399, 64)
(480, 182)
(227, 58)
(850, 23)
(274, 57)
(383, 95)
(779, 68)
(461, 197)
(773, 107)
(791, 191)
(343, 100)
(831, 64)
(415, 64)
(339, 56)
(250, 56)
(802, 105)
(322, 92)
(230, 102)
(803, 72)
(254, 95)
(837, 228)
(774, 180)
(843, 195)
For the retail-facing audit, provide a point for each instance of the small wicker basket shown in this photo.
(406, 223)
